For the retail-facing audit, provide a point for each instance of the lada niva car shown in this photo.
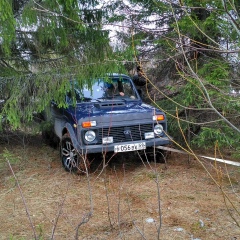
(108, 117)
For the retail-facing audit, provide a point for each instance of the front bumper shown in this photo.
(104, 148)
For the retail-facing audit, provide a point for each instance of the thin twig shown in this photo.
(85, 219)
(107, 197)
(23, 199)
(59, 212)
(87, 216)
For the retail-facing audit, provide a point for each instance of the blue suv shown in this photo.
(108, 117)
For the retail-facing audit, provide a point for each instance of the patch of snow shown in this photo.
(150, 220)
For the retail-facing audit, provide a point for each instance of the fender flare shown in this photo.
(73, 137)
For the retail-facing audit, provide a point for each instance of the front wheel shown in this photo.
(68, 154)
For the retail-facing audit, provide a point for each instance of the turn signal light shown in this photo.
(89, 124)
(158, 117)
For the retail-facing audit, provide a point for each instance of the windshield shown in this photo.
(115, 88)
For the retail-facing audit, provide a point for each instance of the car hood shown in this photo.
(113, 108)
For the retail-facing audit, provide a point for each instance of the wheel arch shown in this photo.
(64, 131)
(71, 132)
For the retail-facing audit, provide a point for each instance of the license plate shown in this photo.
(130, 147)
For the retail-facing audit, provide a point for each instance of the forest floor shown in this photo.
(129, 199)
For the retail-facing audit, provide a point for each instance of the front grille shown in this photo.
(126, 133)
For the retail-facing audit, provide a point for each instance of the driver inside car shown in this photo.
(115, 89)
(119, 88)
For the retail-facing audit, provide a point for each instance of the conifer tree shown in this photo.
(43, 45)
(190, 49)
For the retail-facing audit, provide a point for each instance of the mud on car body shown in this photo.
(109, 117)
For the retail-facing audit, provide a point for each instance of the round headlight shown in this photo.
(90, 136)
(158, 129)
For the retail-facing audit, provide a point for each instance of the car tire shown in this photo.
(68, 154)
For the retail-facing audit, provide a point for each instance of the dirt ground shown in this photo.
(129, 199)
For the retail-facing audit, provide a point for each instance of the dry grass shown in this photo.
(124, 197)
